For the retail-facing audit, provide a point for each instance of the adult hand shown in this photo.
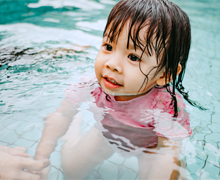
(15, 163)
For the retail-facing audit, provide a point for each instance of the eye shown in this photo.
(108, 47)
(133, 57)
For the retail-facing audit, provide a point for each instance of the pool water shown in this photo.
(46, 45)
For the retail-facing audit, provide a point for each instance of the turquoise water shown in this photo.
(46, 45)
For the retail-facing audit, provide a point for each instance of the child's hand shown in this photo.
(15, 163)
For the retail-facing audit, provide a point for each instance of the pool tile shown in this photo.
(193, 165)
(93, 175)
(188, 148)
(108, 170)
(209, 172)
(205, 130)
(214, 160)
(116, 159)
(131, 163)
(55, 159)
(8, 136)
(55, 174)
(213, 137)
(202, 155)
(31, 150)
(18, 126)
(214, 127)
(35, 134)
(198, 137)
(216, 117)
(192, 177)
(213, 153)
(2, 127)
(24, 143)
(126, 174)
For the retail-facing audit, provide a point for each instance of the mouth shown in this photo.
(111, 83)
(111, 80)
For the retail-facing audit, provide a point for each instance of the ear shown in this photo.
(161, 80)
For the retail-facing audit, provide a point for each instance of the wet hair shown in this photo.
(168, 35)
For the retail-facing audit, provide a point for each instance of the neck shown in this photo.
(129, 97)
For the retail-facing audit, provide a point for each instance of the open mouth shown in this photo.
(112, 81)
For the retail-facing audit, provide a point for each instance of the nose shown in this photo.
(114, 64)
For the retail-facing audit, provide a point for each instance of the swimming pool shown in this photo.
(46, 45)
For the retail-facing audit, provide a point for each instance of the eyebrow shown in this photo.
(144, 50)
(131, 46)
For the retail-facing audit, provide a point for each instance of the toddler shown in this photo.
(140, 64)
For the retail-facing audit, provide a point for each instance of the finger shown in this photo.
(28, 175)
(34, 165)
(23, 154)
(19, 148)
(19, 151)
(36, 172)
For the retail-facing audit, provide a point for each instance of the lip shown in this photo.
(109, 84)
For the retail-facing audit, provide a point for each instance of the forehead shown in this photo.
(138, 35)
(135, 34)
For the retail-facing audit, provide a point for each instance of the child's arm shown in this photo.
(163, 163)
(56, 125)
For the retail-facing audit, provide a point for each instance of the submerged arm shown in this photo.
(56, 125)
(162, 163)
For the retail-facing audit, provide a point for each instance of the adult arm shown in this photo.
(15, 163)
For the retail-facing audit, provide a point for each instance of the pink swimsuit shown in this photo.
(140, 120)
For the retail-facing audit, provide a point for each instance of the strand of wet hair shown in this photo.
(185, 95)
(174, 100)
(107, 97)
(182, 90)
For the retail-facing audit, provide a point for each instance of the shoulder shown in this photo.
(163, 99)
(181, 124)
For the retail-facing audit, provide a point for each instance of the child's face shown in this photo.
(118, 68)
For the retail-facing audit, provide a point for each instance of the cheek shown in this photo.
(135, 78)
(97, 68)
(148, 70)
(98, 65)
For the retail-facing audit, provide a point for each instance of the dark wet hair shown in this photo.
(168, 35)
